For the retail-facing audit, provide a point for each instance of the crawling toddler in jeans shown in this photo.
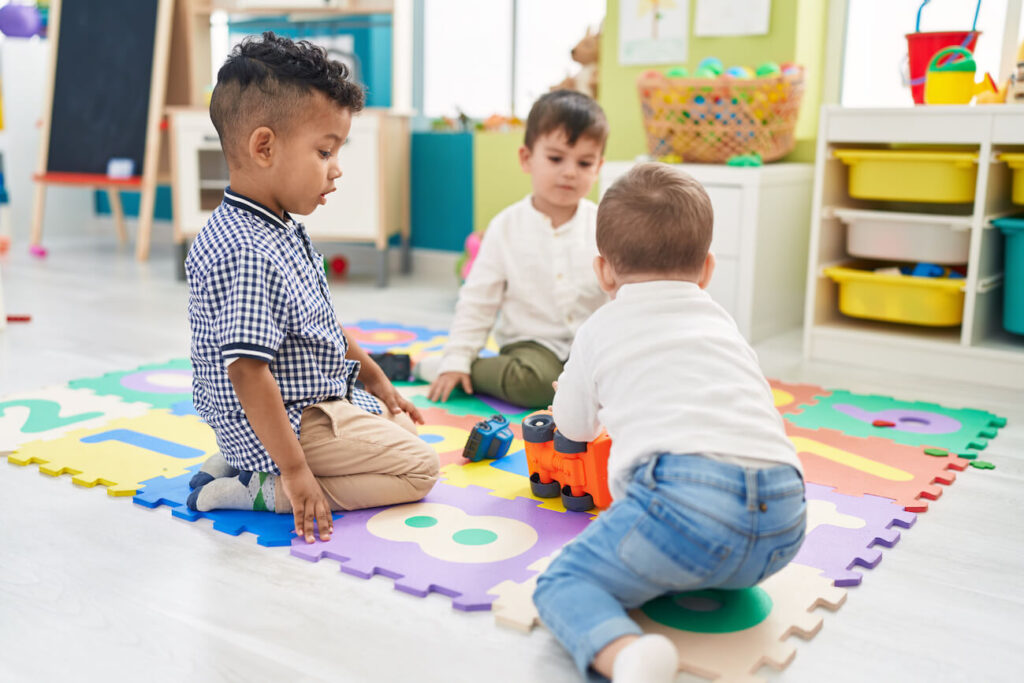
(708, 491)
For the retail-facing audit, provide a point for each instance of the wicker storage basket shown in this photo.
(705, 120)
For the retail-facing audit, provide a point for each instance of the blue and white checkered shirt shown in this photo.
(257, 289)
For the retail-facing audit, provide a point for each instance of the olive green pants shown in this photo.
(521, 373)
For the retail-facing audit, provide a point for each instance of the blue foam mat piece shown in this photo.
(271, 530)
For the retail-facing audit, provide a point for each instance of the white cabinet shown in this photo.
(760, 240)
(371, 203)
(978, 349)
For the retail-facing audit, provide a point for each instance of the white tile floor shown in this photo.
(94, 588)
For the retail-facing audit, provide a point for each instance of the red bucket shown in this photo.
(921, 47)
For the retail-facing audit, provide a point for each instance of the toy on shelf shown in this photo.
(586, 53)
(717, 115)
(739, 72)
(709, 67)
(577, 470)
(951, 81)
(339, 266)
(5, 218)
(20, 21)
(497, 123)
(1015, 84)
(465, 262)
(922, 46)
(751, 160)
(489, 439)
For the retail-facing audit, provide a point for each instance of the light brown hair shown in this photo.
(655, 219)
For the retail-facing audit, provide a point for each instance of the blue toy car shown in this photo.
(489, 439)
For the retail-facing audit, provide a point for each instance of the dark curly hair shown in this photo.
(570, 111)
(265, 82)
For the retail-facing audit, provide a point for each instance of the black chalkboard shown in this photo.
(101, 84)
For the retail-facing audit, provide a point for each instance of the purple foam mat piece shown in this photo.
(500, 406)
(837, 549)
(415, 571)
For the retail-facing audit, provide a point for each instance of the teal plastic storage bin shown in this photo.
(1013, 273)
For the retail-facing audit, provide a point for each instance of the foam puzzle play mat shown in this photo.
(873, 465)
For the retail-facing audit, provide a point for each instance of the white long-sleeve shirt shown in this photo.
(539, 278)
(665, 370)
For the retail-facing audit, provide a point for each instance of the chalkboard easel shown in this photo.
(105, 100)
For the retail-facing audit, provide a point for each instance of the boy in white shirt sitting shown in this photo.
(707, 487)
(534, 265)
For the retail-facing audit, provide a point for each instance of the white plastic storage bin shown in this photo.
(907, 236)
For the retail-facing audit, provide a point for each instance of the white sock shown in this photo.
(651, 658)
(426, 367)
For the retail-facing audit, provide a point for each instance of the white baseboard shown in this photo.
(430, 264)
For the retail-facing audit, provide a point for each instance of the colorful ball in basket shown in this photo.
(739, 72)
(710, 121)
(712, 64)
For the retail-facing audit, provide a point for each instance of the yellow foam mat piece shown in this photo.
(124, 452)
(501, 483)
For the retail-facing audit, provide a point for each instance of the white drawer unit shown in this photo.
(944, 328)
(370, 205)
(762, 219)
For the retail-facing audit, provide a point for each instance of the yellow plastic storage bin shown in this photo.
(911, 175)
(1016, 163)
(934, 302)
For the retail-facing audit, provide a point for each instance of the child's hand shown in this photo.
(441, 388)
(309, 505)
(383, 389)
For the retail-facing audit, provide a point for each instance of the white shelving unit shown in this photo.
(978, 350)
(759, 242)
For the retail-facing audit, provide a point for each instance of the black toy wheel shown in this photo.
(541, 490)
(538, 428)
(566, 445)
(576, 503)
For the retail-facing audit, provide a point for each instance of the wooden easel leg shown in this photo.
(117, 210)
(38, 208)
(146, 204)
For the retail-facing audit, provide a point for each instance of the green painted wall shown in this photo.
(796, 34)
(498, 180)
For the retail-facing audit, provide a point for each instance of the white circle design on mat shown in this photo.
(449, 534)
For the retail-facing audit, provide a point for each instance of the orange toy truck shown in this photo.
(575, 469)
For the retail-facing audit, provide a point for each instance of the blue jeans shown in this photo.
(686, 523)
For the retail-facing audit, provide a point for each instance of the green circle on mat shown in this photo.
(474, 537)
(421, 521)
(711, 611)
(936, 452)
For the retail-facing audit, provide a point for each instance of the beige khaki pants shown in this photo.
(363, 460)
